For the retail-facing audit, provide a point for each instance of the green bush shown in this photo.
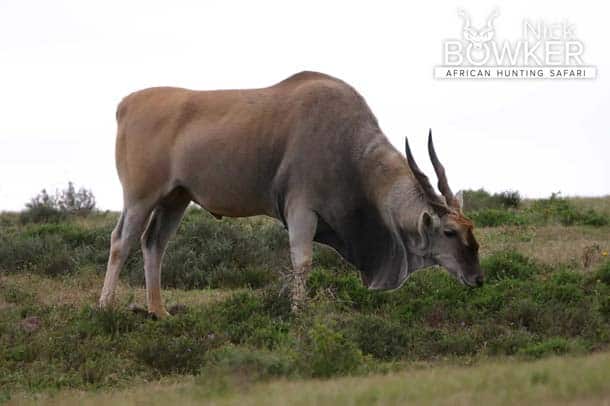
(48, 256)
(508, 264)
(329, 352)
(168, 355)
(593, 218)
(556, 209)
(552, 346)
(475, 200)
(509, 342)
(509, 199)
(457, 343)
(93, 322)
(253, 319)
(489, 217)
(505, 208)
(345, 287)
(377, 336)
(225, 253)
(603, 273)
(47, 208)
(604, 308)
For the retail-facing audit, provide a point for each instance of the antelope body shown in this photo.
(307, 151)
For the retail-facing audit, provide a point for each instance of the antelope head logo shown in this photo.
(478, 37)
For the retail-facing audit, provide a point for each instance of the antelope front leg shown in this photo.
(301, 229)
(299, 287)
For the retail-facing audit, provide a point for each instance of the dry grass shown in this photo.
(549, 244)
(599, 204)
(84, 289)
(555, 381)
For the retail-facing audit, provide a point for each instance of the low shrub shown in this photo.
(252, 319)
(475, 200)
(603, 273)
(169, 355)
(377, 336)
(556, 209)
(44, 208)
(250, 363)
(604, 308)
(488, 210)
(48, 256)
(228, 253)
(509, 342)
(456, 343)
(593, 218)
(345, 287)
(489, 217)
(552, 346)
(328, 352)
(508, 264)
(94, 322)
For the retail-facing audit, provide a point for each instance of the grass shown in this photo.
(527, 310)
(508, 209)
(547, 295)
(581, 380)
(579, 246)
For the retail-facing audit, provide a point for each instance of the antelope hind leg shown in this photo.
(126, 233)
(163, 224)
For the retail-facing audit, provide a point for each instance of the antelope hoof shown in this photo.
(159, 314)
(177, 309)
(299, 301)
(105, 303)
(134, 308)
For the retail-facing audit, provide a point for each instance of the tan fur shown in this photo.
(307, 151)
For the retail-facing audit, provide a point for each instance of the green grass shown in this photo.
(527, 310)
(547, 295)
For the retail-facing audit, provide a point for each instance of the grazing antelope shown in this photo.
(307, 151)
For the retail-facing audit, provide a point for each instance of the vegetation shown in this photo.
(44, 208)
(507, 208)
(232, 326)
(475, 200)
(580, 380)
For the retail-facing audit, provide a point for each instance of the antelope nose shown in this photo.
(479, 280)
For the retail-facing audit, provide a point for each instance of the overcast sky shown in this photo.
(64, 66)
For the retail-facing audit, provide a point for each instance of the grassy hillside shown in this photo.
(547, 293)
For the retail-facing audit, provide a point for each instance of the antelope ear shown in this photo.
(459, 197)
(426, 226)
(425, 223)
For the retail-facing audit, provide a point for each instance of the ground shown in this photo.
(554, 381)
(536, 333)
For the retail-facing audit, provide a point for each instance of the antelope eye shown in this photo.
(449, 232)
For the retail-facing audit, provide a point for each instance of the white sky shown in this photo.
(64, 66)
